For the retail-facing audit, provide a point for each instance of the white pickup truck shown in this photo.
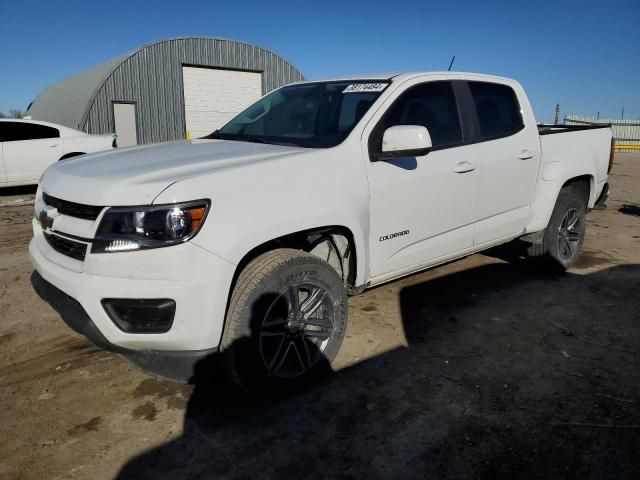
(244, 245)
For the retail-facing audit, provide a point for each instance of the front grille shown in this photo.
(87, 212)
(67, 247)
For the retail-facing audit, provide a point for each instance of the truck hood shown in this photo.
(135, 176)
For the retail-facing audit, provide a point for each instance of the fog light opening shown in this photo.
(133, 315)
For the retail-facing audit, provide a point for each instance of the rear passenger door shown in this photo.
(28, 149)
(507, 153)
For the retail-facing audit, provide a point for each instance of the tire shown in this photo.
(285, 323)
(564, 235)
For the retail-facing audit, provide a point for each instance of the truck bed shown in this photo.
(549, 128)
(581, 146)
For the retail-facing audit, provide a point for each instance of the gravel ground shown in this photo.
(481, 368)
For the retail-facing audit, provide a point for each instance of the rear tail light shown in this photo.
(611, 152)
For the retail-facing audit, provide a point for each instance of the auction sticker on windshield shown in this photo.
(364, 87)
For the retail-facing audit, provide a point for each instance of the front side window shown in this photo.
(16, 131)
(497, 108)
(431, 105)
(315, 115)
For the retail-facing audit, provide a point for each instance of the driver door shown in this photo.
(421, 208)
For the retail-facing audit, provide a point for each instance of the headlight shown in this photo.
(124, 229)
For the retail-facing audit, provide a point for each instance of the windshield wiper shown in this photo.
(288, 144)
(251, 138)
(215, 135)
(248, 138)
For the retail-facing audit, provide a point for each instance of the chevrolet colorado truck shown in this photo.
(244, 245)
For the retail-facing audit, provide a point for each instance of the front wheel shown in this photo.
(286, 321)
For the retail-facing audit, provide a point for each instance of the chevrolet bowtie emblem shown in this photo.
(45, 220)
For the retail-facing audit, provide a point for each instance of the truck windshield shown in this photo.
(313, 115)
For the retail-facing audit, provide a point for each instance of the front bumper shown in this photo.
(196, 279)
(176, 366)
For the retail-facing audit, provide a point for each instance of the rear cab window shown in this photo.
(498, 110)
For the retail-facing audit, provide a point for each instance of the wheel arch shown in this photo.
(583, 184)
(341, 239)
(304, 240)
(70, 154)
(547, 196)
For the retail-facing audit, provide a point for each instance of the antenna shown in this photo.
(451, 64)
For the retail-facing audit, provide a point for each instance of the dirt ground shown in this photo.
(481, 368)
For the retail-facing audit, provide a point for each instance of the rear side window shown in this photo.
(431, 105)
(15, 131)
(498, 109)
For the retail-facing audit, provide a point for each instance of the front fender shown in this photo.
(262, 202)
(234, 249)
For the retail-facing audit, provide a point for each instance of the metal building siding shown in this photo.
(626, 133)
(152, 78)
(66, 101)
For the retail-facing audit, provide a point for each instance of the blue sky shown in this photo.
(584, 55)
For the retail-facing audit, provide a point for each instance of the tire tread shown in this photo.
(543, 250)
(253, 274)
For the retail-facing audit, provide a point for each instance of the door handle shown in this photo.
(54, 145)
(464, 167)
(526, 155)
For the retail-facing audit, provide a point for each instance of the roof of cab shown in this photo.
(401, 76)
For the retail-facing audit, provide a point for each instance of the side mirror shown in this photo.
(405, 141)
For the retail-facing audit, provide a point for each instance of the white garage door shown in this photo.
(212, 97)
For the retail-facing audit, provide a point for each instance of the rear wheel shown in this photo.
(564, 235)
(285, 323)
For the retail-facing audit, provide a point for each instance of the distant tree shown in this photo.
(2, 115)
(15, 113)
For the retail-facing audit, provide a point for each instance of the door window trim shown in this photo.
(377, 132)
(467, 114)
